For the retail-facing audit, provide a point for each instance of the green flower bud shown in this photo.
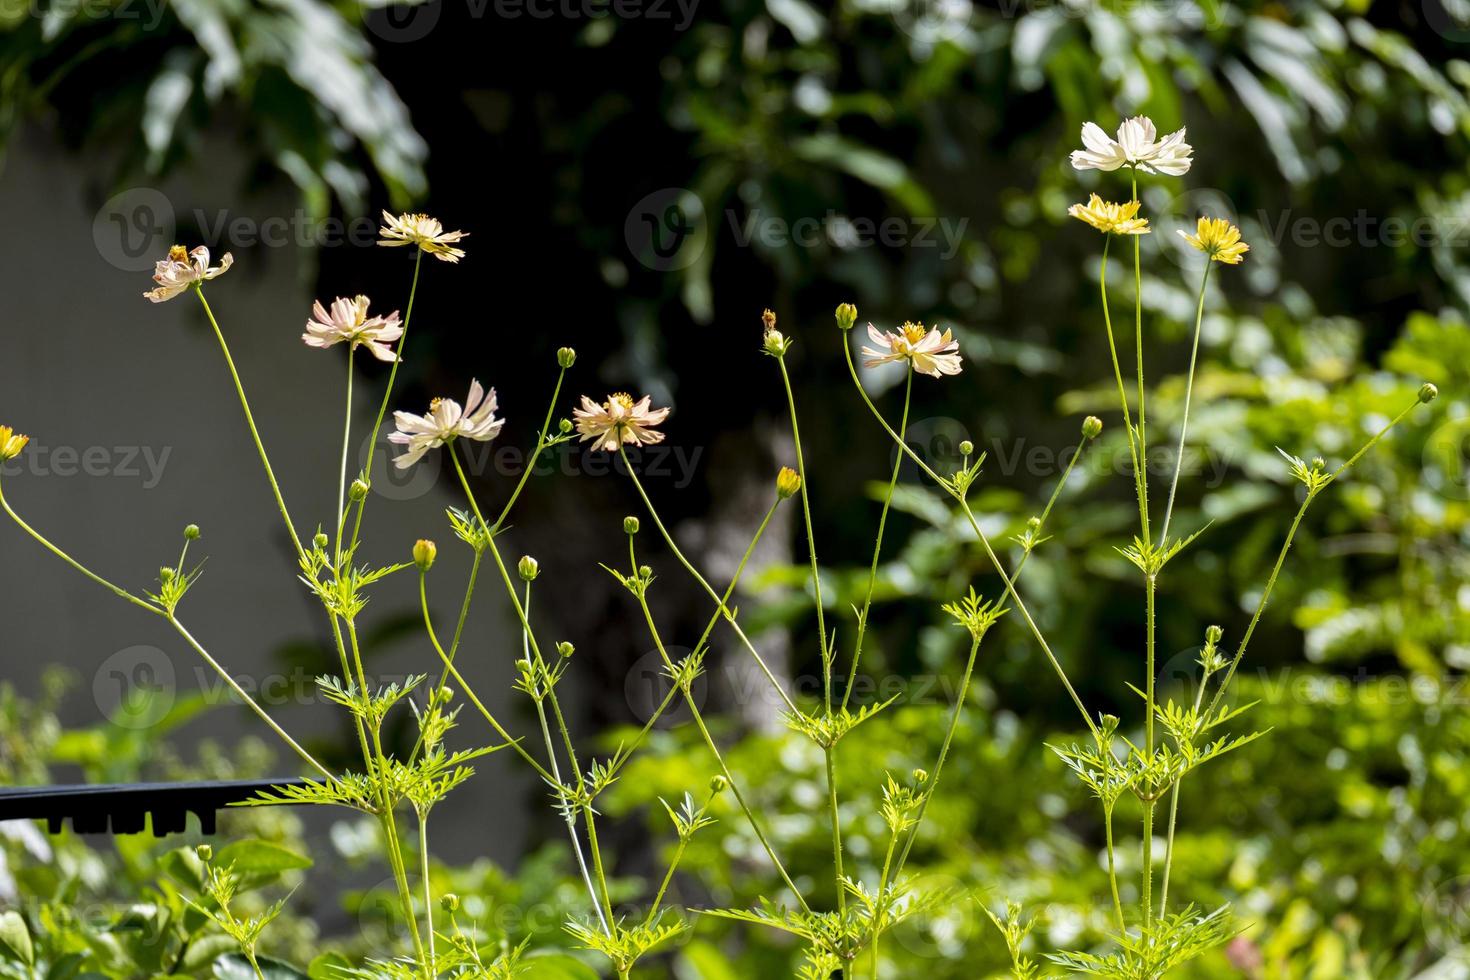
(565, 649)
(566, 357)
(1427, 393)
(320, 540)
(523, 665)
(1213, 635)
(1091, 426)
(921, 776)
(846, 316)
(358, 492)
(718, 784)
(529, 568)
(645, 573)
(630, 525)
(424, 553)
(967, 448)
(165, 575)
(449, 902)
(191, 532)
(1109, 725)
(204, 852)
(564, 426)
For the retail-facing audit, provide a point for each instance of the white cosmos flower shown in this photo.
(1137, 146)
(619, 419)
(929, 351)
(445, 422)
(183, 269)
(347, 322)
(423, 231)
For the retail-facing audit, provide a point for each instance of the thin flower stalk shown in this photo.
(1199, 318)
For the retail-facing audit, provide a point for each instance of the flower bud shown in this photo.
(966, 447)
(1033, 523)
(358, 492)
(630, 525)
(1091, 427)
(565, 649)
(768, 319)
(523, 665)
(424, 553)
(320, 540)
(846, 316)
(204, 852)
(191, 533)
(1427, 393)
(449, 902)
(774, 343)
(566, 357)
(718, 784)
(921, 776)
(1318, 463)
(1213, 635)
(529, 568)
(788, 483)
(645, 572)
(1109, 725)
(564, 426)
(165, 575)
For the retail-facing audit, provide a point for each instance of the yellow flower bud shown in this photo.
(846, 316)
(1091, 427)
(11, 443)
(788, 483)
(424, 553)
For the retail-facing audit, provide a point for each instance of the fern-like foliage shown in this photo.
(1171, 942)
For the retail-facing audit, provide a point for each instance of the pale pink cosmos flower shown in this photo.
(183, 269)
(1137, 146)
(446, 421)
(929, 351)
(425, 232)
(347, 322)
(619, 420)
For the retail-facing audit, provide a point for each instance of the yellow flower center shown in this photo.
(912, 333)
(621, 398)
(178, 253)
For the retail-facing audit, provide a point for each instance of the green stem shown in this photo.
(428, 891)
(862, 623)
(346, 445)
(1199, 319)
(1151, 801)
(1113, 870)
(1199, 696)
(882, 898)
(709, 741)
(984, 540)
(250, 421)
(1142, 403)
(722, 608)
(1138, 465)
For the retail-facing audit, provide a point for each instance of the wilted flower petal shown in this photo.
(183, 269)
(619, 420)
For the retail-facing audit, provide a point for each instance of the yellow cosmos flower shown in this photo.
(11, 443)
(424, 232)
(1109, 218)
(1218, 239)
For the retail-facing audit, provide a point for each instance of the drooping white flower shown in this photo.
(425, 232)
(446, 421)
(183, 269)
(347, 322)
(1137, 146)
(928, 350)
(619, 420)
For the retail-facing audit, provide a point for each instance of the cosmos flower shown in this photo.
(619, 420)
(183, 269)
(11, 443)
(445, 422)
(423, 231)
(929, 351)
(1109, 218)
(347, 322)
(1218, 239)
(1136, 146)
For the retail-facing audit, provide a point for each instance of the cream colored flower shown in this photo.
(929, 351)
(423, 231)
(619, 419)
(445, 422)
(11, 443)
(1218, 239)
(347, 322)
(1109, 218)
(1136, 146)
(183, 269)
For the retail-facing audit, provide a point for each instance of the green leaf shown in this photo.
(259, 857)
(15, 938)
(328, 966)
(705, 962)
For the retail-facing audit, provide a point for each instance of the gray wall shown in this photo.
(137, 432)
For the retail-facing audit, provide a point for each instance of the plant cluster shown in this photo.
(401, 790)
